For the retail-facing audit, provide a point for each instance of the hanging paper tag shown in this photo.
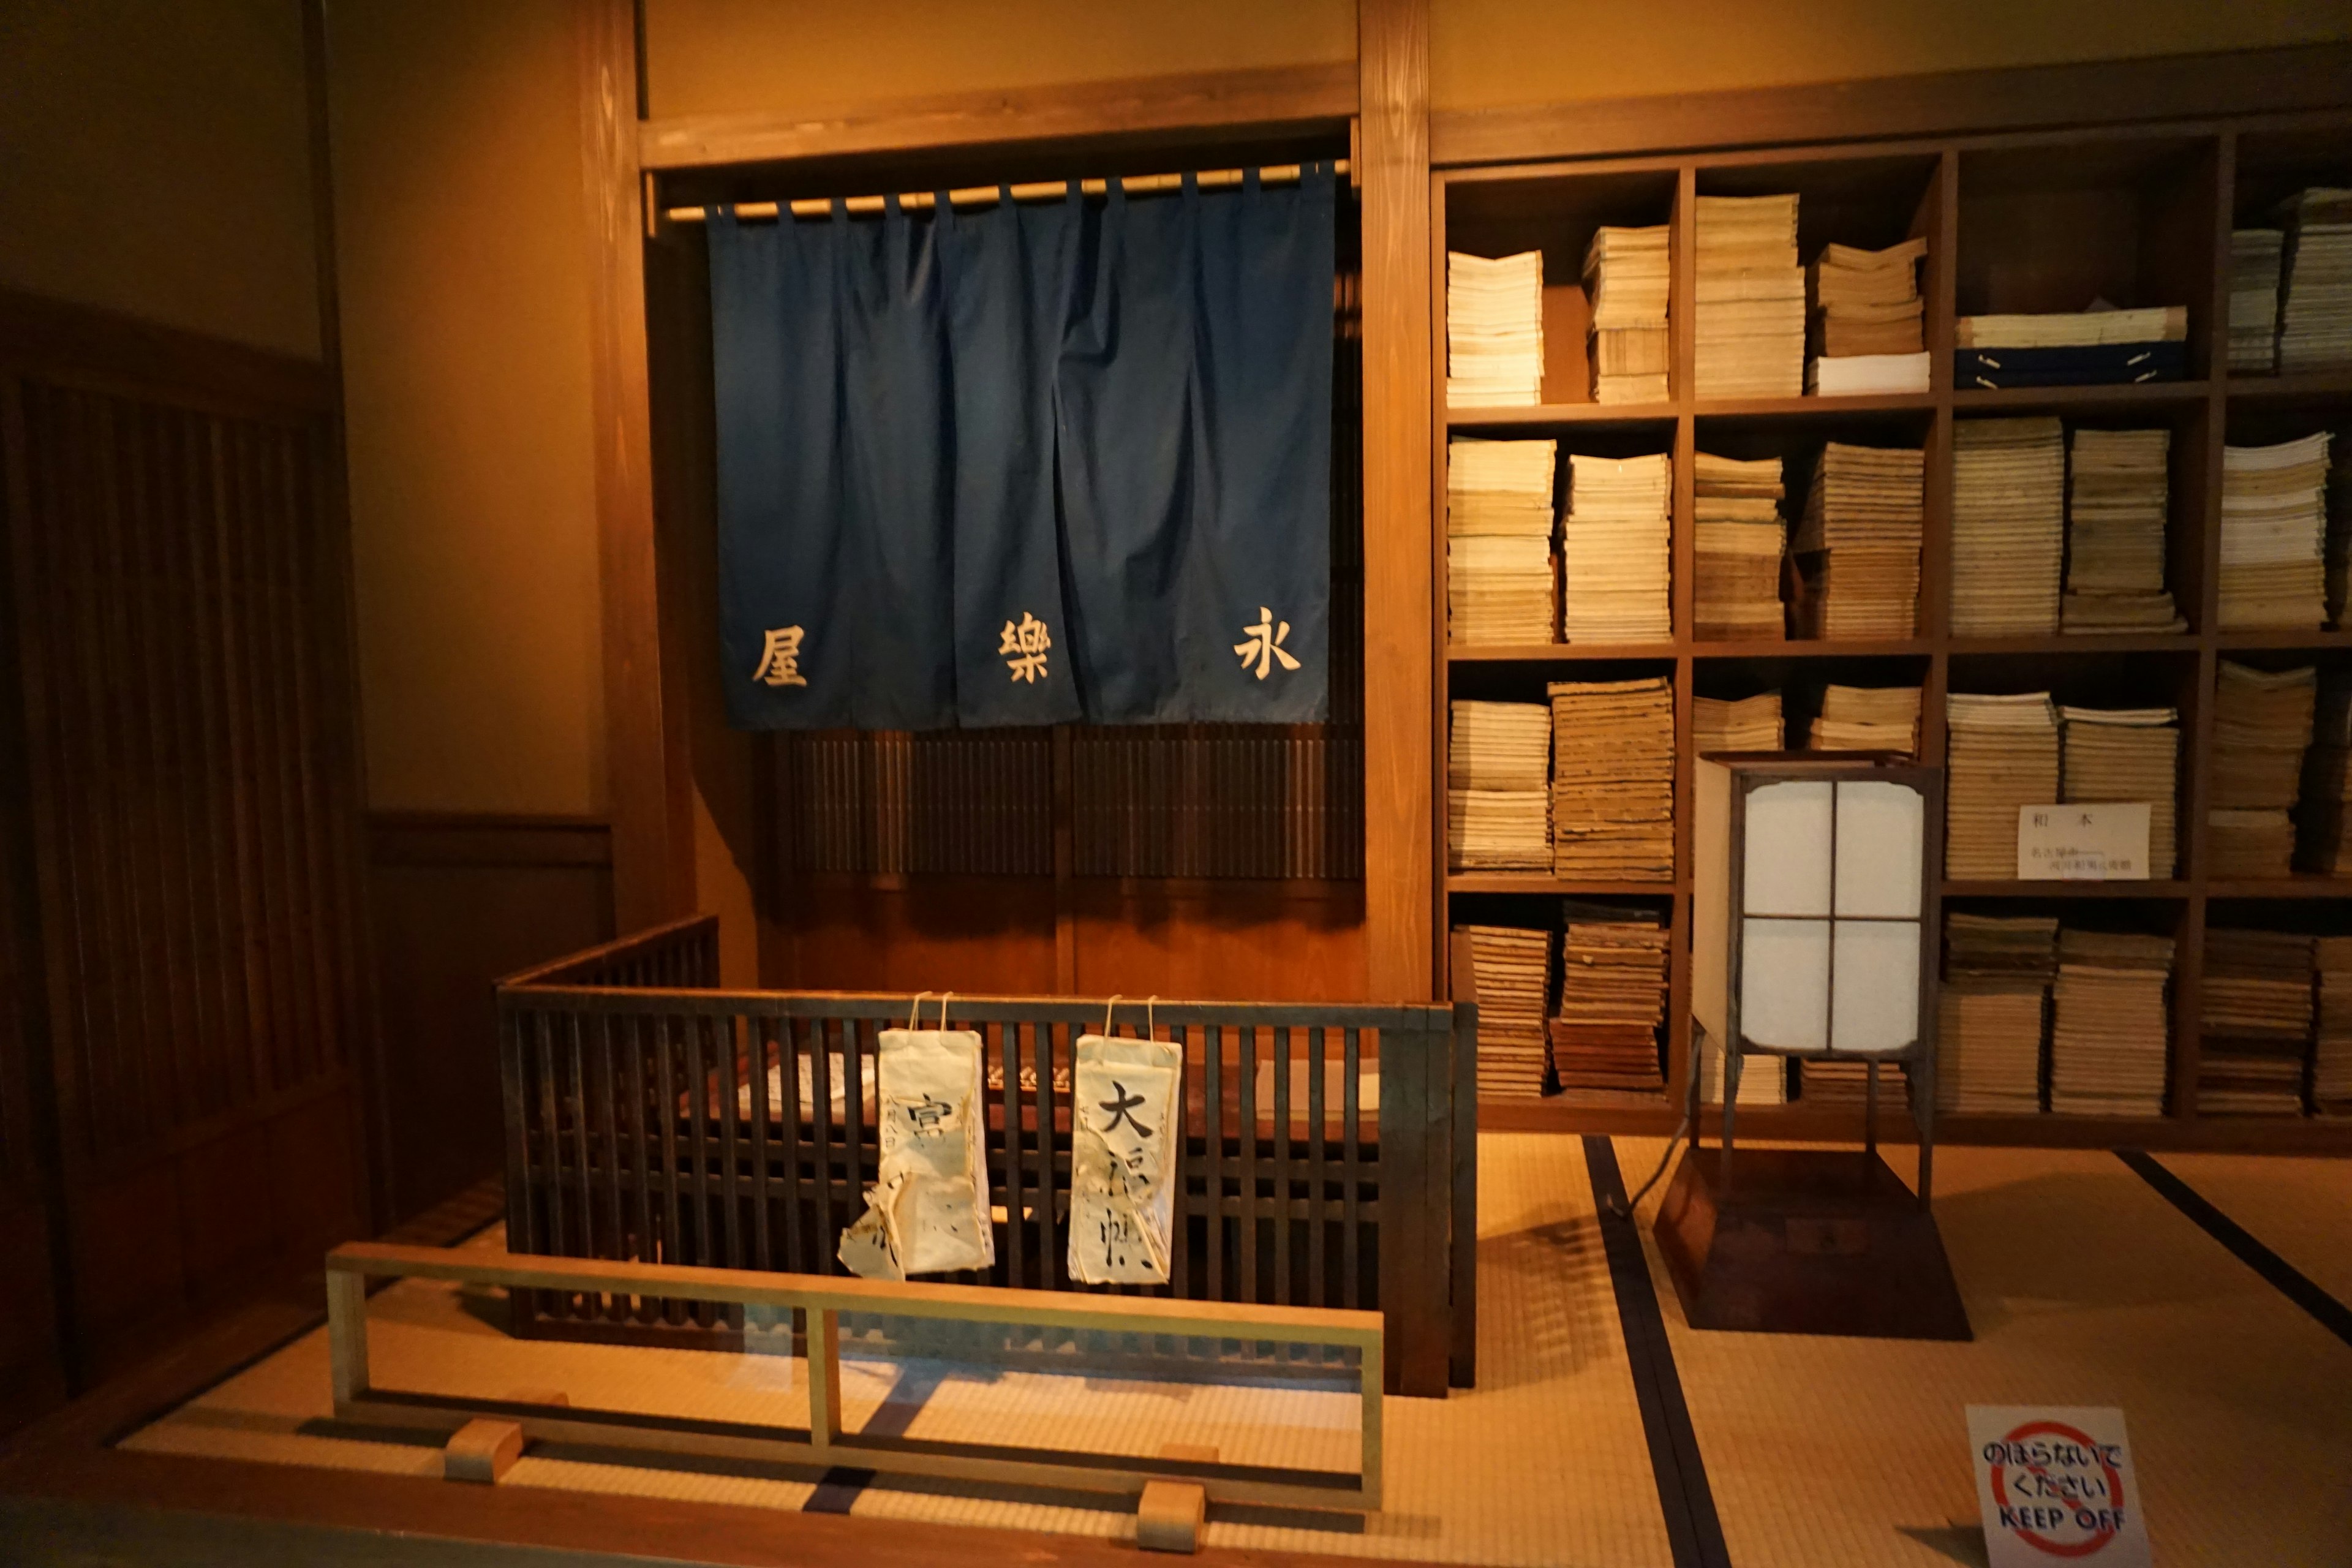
(928, 1211)
(1123, 1151)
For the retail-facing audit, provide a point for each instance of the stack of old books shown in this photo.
(1625, 272)
(2326, 803)
(1859, 543)
(1866, 308)
(1842, 1083)
(2072, 348)
(2339, 530)
(2275, 534)
(1751, 299)
(1763, 1080)
(1498, 534)
(1614, 555)
(1740, 540)
(2008, 525)
(1494, 329)
(1513, 967)
(1613, 996)
(1997, 975)
(2126, 754)
(2003, 755)
(1613, 779)
(2315, 299)
(2331, 1052)
(2117, 495)
(2254, 256)
(1866, 719)
(2108, 1023)
(1497, 787)
(2261, 727)
(1747, 724)
(2257, 1022)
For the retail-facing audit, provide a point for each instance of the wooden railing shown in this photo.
(652, 1118)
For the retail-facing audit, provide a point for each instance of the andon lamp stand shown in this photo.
(1814, 1241)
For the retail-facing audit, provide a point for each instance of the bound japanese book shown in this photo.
(928, 1211)
(1512, 966)
(1126, 1143)
(2003, 754)
(1494, 329)
(1500, 572)
(2110, 1020)
(2256, 1019)
(2117, 498)
(1749, 724)
(1866, 719)
(1740, 540)
(1866, 320)
(1997, 975)
(1615, 553)
(1497, 786)
(1613, 779)
(2261, 728)
(1859, 543)
(2273, 534)
(2126, 754)
(2255, 254)
(2315, 297)
(1763, 1080)
(2331, 1057)
(2009, 528)
(1612, 998)
(2072, 347)
(2321, 847)
(1750, 321)
(1626, 275)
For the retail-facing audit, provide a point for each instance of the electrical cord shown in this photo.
(1623, 1209)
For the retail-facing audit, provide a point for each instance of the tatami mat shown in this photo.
(2085, 1286)
(2300, 1209)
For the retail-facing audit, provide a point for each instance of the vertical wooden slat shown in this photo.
(587, 1202)
(665, 1105)
(1282, 1171)
(1351, 1101)
(651, 1243)
(1051, 1265)
(699, 1084)
(1318, 1202)
(1212, 1193)
(763, 1033)
(1247, 1082)
(853, 1036)
(820, 1117)
(1180, 1279)
(1008, 1058)
(608, 1130)
(547, 1149)
(788, 1079)
(732, 1085)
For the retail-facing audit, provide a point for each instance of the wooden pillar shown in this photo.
(1400, 646)
(650, 792)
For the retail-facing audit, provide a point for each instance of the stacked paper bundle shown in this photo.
(2254, 258)
(1763, 1080)
(2072, 348)
(1866, 719)
(1625, 272)
(1613, 996)
(1613, 779)
(1514, 972)
(2116, 500)
(2257, 1017)
(2315, 299)
(2339, 530)
(1751, 299)
(2331, 1053)
(2327, 803)
(2261, 727)
(1496, 787)
(1833, 1084)
(2004, 756)
(1740, 539)
(1749, 724)
(1866, 320)
(2273, 534)
(2108, 1023)
(2009, 528)
(2126, 754)
(1494, 330)
(1498, 530)
(1997, 975)
(1860, 539)
(1614, 551)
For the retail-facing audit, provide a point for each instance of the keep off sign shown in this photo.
(2056, 1486)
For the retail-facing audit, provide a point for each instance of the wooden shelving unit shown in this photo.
(2139, 214)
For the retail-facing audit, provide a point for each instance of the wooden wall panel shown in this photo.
(455, 902)
(1241, 942)
(965, 933)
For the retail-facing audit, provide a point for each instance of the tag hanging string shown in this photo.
(1107, 1008)
(916, 1008)
(1149, 1032)
(943, 1008)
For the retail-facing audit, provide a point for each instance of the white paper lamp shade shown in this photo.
(1788, 853)
(1784, 982)
(1874, 1006)
(1881, 827)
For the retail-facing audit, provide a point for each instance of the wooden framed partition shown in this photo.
(652, 1117)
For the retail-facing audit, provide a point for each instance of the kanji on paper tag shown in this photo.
(928, 1211)
(1122, 1168)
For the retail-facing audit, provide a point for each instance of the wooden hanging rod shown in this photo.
(983, 196)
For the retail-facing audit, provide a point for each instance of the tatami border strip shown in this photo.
(2285, 1278)
(1688, 1502)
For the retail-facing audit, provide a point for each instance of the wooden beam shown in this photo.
(647, 769)
(1227, 101)
(1401, 648)
(84, 346)
(2171, 86)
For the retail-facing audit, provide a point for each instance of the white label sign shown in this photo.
(2056, 1486)
(2083, 843)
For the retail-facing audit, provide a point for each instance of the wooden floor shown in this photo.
(1605, 1433)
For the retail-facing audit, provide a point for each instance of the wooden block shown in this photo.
(482, 1450)
(1168, 1516)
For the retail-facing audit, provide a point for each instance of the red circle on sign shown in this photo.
(2115, 1490)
